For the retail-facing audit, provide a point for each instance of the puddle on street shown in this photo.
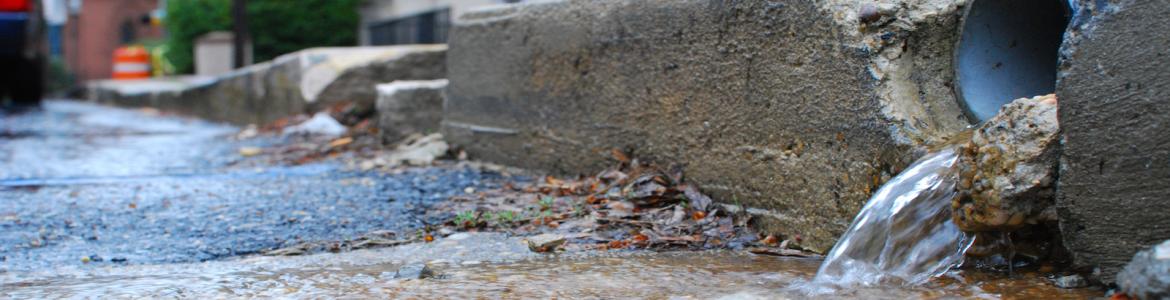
(493, 266)
(682, 275)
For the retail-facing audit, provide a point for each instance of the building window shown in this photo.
(425, 28)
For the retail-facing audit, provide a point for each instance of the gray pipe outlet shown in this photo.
(1008, 49)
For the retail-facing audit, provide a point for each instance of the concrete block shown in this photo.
(1007, 171)
(299, 82)
(798, 109)
(1114, 97)
(352, 75)
(407, 107)
(214, 53)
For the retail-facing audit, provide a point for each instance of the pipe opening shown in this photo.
(1008, 49)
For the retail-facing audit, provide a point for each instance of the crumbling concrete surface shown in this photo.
(1114, 91)
(294, 83)
(1007, 170)
(797, 109)
(352, 77)
(408, 107)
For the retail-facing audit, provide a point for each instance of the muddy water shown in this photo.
(496, 266)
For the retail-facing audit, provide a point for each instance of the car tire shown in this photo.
(6, 77)
(27, 85)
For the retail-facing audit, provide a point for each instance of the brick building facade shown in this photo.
(100, 26)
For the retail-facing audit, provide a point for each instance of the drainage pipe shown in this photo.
(1008, 49)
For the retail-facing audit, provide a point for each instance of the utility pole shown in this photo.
(240, 35)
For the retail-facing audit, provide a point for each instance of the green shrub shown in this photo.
(279, 28)
(276, 26)
(188, 19)
(59, 80)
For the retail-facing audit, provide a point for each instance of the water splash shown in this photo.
(904, 234)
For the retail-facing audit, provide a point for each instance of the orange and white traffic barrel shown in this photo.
(131, 62)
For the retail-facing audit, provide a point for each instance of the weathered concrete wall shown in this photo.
(350, 77)
(407, 107)
(1114, 95)
(294, 83)
(799, 109)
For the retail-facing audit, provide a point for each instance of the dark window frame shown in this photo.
(428, 27)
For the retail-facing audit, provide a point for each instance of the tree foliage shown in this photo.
(276, 26)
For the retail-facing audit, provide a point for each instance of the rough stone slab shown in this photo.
(1114, 90)
(1007, 172)
(352, 76)
(794, 108)
(294, 83)
(407, 107)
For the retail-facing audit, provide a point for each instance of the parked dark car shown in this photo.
(22, 61)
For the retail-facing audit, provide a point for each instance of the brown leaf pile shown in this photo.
(631, 205)
(361, 143)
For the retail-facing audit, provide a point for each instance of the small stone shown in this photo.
(1147, 276)
(367, 165)
(869, 13)
(1070, 282)
(545, 242)
(414, 271)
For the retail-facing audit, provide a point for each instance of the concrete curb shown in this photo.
(1114, 97)
(408, 107)
(295, 83)
(800, 108)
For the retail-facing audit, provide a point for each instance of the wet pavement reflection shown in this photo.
(82, 184)
(485, 265)
(98, 202)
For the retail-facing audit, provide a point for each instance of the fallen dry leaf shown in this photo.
(630, 205)
(771, 241)
(250, 151)
(698, 200)
(698, 215)
(340, 142)
(779, 252)
(619, 155)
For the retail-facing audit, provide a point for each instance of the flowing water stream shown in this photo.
(493, 266)
(904, 234)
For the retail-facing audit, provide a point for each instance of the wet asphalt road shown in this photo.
(80, 180)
